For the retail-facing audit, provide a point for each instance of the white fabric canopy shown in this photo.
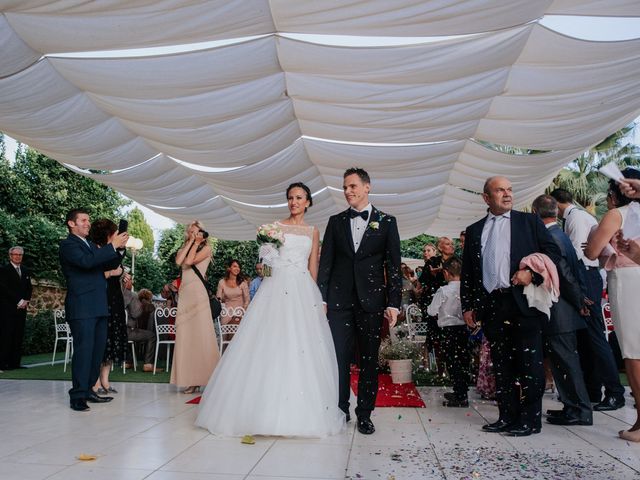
(218, 132)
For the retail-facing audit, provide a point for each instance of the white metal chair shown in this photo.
(63, 333)
(133, 355)
(133, 349)
(608, 321)
(227, 330)
(418, 331)
(165, 333)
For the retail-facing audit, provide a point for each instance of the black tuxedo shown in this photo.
(86, 307)
(357, 287)
(13, 288)
(560, 332)
(513, 329)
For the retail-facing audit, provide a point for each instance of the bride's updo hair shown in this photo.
(303, 187)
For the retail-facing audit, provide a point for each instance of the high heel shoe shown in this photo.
(191, 390)
(549, 387)
(631, 436)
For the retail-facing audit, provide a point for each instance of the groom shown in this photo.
(360, 281)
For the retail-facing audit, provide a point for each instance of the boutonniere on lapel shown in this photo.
(374, 225)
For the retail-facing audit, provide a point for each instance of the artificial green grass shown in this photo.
(55, 372)
(42, 358)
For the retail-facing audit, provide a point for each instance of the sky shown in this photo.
(587, 28)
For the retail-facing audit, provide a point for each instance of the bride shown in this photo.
(279, 376)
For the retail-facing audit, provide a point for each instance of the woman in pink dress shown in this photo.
(623, 278)
(233, 291)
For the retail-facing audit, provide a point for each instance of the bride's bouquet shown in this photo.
(270, 237)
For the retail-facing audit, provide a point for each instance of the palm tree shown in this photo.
(581, 176)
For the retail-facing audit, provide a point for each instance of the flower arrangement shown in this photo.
(270, 237)
(270, 233)
(400, 349)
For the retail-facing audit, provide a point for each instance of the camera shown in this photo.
(205, 234)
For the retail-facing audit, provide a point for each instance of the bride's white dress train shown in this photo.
(279, 375)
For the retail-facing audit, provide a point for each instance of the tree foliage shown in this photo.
(37, 185)
(148, 271)
(246, 252)
(139, 228)
(40, 239)
(581, 176)
(170, 241)
(412, 247)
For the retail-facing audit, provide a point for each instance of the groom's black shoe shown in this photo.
(95, 398)
(497, 427)
(365, 426)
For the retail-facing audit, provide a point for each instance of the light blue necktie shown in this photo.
(489, 255)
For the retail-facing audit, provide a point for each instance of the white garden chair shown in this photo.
(608, 321)
(165, 333)
(63, 334)
(226, 332)
(418, 330)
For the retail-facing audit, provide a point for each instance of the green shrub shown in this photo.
(39, 334)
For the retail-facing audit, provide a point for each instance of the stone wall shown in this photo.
(46, 296)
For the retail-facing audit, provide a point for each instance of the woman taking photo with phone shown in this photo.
(196, 352)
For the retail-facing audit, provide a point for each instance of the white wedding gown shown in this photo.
(279, 375)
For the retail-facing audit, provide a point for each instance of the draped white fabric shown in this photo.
(218, 132)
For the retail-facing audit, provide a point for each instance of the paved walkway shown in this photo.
(147, 432)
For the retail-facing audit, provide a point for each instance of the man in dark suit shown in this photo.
(83, 265)
(359, 277)
(491, 292)
(567, 317)
(596, 356)
(15, 294)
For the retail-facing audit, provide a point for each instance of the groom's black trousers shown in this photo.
(348, 327)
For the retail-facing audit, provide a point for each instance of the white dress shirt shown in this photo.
(447, 306)
(577, 225)
(359, 225)
(503, 251)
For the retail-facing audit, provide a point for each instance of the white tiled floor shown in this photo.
(147, 432)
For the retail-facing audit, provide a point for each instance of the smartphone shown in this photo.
(123, 225)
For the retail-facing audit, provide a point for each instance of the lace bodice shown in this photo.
(297, 246)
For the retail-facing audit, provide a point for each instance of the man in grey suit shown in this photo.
(567, 316)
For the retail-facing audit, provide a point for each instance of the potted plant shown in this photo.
(400, 354)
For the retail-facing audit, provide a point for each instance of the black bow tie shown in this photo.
(364, 214)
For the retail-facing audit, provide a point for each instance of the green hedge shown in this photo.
(40, 239)
(39, 334)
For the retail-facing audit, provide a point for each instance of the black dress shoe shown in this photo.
(609, 403)
(365, 426)
(521, 431)
(555, 413)
(497, 427)
(79, 405)
(568, 421)
(456, 402)
(95, 398)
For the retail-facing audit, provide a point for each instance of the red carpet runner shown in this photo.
(392, 394)
(389, 394)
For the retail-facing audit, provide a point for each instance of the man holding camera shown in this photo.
(83, 265)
